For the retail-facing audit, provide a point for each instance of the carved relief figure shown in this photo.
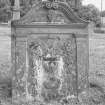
(53, 66)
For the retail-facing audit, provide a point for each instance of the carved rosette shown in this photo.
(50, 5)
(52, 72)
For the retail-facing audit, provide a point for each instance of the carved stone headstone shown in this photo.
(49, 55)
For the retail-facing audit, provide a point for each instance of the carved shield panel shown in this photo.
(52, 73)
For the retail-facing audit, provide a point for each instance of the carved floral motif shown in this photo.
(20, 66)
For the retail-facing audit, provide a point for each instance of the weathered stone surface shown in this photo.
(20, 79)
(82, 62)
(42, 80)
(58, 56)
(51, 68)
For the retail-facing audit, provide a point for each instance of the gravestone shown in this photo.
(49, 54)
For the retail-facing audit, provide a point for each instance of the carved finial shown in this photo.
(16, 10)
(76, 4)
(48, 4)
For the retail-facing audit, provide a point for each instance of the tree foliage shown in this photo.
(5, 10)
(90, 13)
(26, 5)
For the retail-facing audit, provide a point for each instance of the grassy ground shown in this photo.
(97, 67)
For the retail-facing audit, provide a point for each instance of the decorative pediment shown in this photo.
(50, 12)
